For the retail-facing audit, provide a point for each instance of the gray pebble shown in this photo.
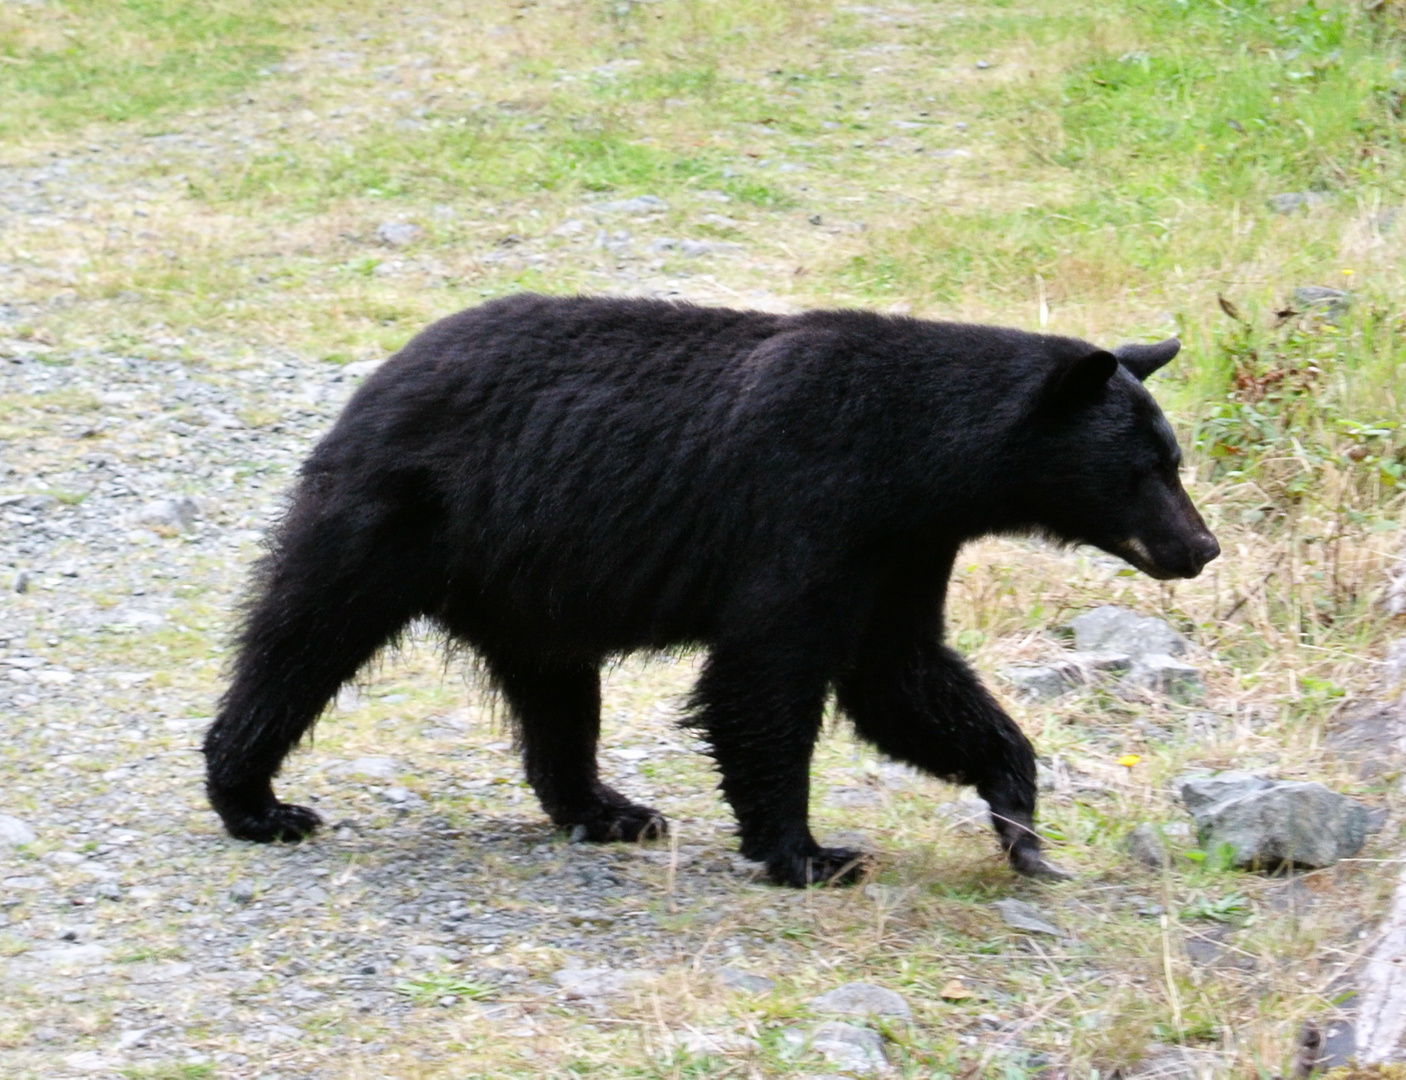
(15, 832)
(1019, 915)
(1159, 673)
(397, 233)
(640, 204)
(1146, 846)
(862, 999)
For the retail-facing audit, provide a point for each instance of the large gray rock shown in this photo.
(1270, 823)
(1159, 673)
(862, 999)
(1118, 630)
(1200, 792)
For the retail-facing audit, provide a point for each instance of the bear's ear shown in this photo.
(1082, 379)
(1143, 360)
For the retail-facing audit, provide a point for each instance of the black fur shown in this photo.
(556, 481)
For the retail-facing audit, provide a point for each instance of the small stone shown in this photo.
(1019, 915)
(640, 204)
(1146, 846)
(599, 982)
(397, 233)
(712, 1043)
(1288, 201)
(242, 891)
(180, 514)
(862, 999)
(1314, 295)
(21, 582)
(1118, 630)
(68, 956)
(1044, 682)
(88, 1061)
(849, 796)
(889, 895)
(982, 65)
(1102, 661)
(745, 981)
(850, 1048)
(109, 890)
(1159, 673)
(372, 768)
(969, 815)
(15, 832)
(1163, 1062)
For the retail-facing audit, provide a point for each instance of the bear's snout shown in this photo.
(1204, 549)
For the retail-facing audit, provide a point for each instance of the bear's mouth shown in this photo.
(1134, 551)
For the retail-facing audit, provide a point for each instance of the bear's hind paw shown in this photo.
(281, 821)
(609, 823)
(823, 866)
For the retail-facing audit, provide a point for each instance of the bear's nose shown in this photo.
(1204, 548)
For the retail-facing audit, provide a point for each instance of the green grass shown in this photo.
(75, 62)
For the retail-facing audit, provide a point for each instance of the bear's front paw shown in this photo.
(821, 866)
(279, 821)
(1026, 859)
(609, 823)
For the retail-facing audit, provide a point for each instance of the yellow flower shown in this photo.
(1129, 760)
(1347, 273)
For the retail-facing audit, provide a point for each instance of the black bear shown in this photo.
(555, 481)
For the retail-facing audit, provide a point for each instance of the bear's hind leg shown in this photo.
(330, 596)
(917, 701)
(557, 707)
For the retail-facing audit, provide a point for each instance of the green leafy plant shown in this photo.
(433, 988)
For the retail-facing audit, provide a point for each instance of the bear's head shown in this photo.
(1104, 461)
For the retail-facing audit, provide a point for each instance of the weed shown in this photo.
(433, 989)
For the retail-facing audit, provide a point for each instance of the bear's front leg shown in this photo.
(760, 713)
(919, 702)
